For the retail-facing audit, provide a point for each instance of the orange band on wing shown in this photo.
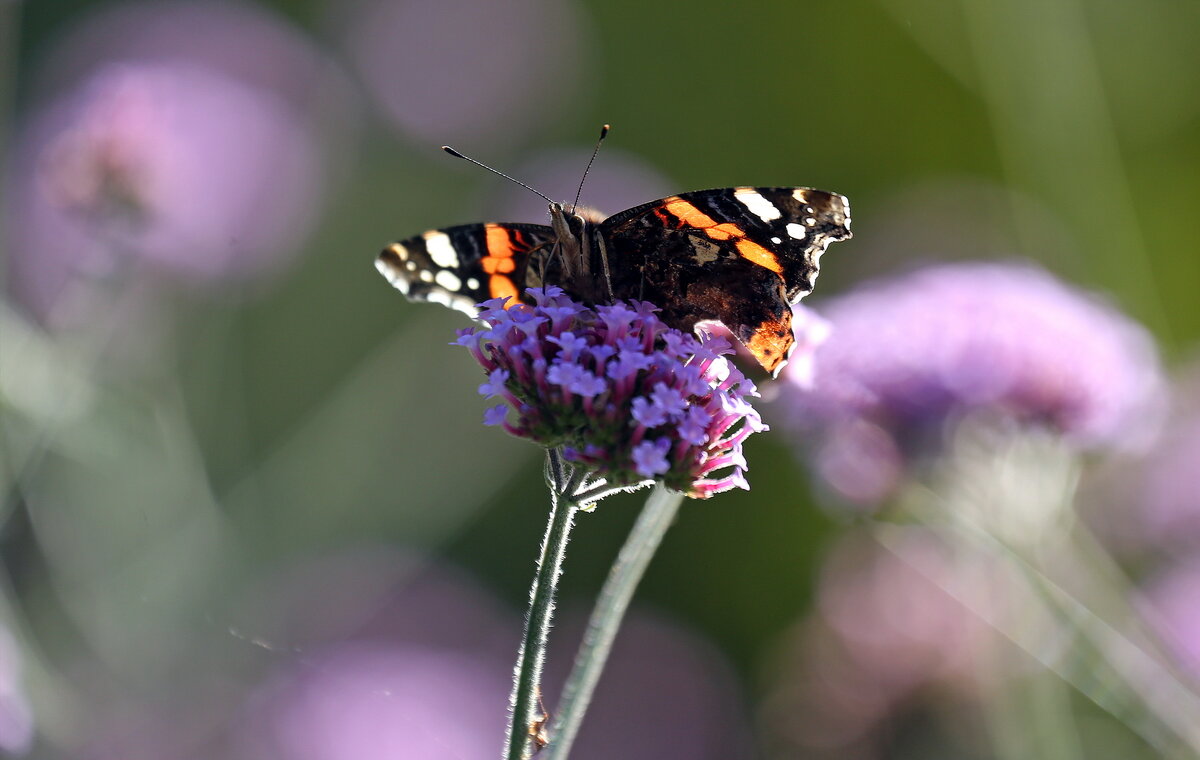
(493, 265)
(499, 258)
(725, 231)
(693, 217)
(498, 244)
(689, 214)
(754, 252)
(500, 286)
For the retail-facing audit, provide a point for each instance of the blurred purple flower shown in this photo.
(888, 627)
(167, 157)
(618, 390)
(1169, 501)
(443, 70)
(242, 41)
(1147, 508)
(1171, 603)
(897, 616)
(383, 657)
(384, 700)
(666, 693)
(16, 717)
(909, 355)
(388, 656)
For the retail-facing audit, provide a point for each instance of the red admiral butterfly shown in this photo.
(739, 256)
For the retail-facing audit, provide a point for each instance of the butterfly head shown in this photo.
(564, 223)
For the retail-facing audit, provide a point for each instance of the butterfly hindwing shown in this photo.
(741, 256)
(465, 265)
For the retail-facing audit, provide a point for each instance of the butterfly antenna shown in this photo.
(603, 133)
(456, 154)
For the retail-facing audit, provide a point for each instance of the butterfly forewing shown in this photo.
(465, 265)
(785, 229)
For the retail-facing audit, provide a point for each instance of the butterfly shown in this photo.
(739, 256)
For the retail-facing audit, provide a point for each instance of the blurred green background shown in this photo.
(280, 417)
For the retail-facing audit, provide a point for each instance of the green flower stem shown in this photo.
(527, 675)
(623, 578)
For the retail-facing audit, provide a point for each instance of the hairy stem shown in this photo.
(527, 674)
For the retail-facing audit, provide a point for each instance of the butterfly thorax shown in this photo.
(580, 254)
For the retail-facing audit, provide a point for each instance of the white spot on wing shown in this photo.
(776, 240)
(452, 300)
(441, 250)
(800, 194)
(441, 297)
(472, 283)
(758, 205)
(396, 278)
(426, 275)
(448, 280)
(797, 231)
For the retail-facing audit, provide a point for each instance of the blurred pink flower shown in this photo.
(1169, 500)
(1147, 508)
(164, 149)
(385, 658)
(1171, 602)
(889, 626)
(375, 653)
(666, 693)
(240, 40)
(16, 716)
(897, 615)
(445, 70)
(909, 355)
(380, 701)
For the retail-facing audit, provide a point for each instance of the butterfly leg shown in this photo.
(604, 266)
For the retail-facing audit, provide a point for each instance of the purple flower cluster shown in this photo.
(908, 355)
(620, 392)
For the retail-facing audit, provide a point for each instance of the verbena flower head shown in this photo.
(907, 356)
(620, 392)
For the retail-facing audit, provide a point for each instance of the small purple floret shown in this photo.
(619, 391)
(650, 457)
(496, 383)
(495, 415)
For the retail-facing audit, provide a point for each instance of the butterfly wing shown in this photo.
(740, 256)
(462, 266)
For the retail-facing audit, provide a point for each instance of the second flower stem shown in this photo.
(623, 578)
